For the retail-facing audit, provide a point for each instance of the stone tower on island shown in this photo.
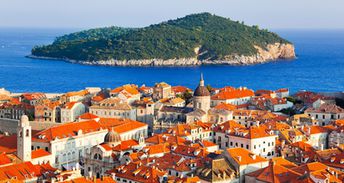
(24, 139)
(201, 98)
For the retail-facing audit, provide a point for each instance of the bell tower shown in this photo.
(24, 139)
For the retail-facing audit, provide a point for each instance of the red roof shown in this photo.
(232, 93)
(125, 145)
(88, 116)
(39, 153)
(4, 159)
(22, 171)
(180, 89)
(67, 130)
(138, 173)
(244, 157)
(8, 144)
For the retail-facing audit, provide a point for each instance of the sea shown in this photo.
(319, 67)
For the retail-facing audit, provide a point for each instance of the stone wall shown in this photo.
(10, 125)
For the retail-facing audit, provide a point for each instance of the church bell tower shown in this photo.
(24, 139)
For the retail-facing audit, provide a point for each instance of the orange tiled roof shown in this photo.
(165, 138)
(283, 162)
(326, 108)
(131, 125)
(180, 89)
(91, 180)
(175, 162)
(282, 90)
(88, 116)
(138, 173)
(77, 93)
(67, 130)
(132, 89)
(120, 125)
(4, 159)
(232, 93)
(156, 149)
(125, 145)
(39, 153)
(33, 96)
(189, 151)
(97, 98)
(244, 157)
(315, 129)
(8, 144)
(70, 105)
(228, 125)
(319, 169)
(21, 172)
(225, 106)
(275, 173)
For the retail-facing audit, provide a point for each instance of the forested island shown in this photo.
(192, 40)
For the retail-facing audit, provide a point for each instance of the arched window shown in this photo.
(21, 134)
(97, 156)
(27, 132)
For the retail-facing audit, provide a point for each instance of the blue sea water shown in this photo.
(319, 67)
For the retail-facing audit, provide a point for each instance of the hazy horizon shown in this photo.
(81, 14)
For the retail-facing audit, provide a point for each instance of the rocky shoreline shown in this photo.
(270, 53)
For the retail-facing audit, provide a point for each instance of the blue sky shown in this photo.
(274, 14)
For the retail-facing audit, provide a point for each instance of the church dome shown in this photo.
(201, 90)
(112, 137)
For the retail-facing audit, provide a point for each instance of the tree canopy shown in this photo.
(203, 36)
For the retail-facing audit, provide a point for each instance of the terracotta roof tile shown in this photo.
(244, 157)
(39, 153)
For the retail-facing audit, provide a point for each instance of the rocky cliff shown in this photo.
(271, 53)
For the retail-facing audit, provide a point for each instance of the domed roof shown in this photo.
(201, 90)
(112, 137)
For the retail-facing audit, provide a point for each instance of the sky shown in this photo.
(273, 14)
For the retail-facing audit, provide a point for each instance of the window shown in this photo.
(247, 146)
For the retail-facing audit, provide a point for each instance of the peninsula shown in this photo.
(196, 39)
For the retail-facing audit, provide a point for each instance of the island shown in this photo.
(196, 39)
